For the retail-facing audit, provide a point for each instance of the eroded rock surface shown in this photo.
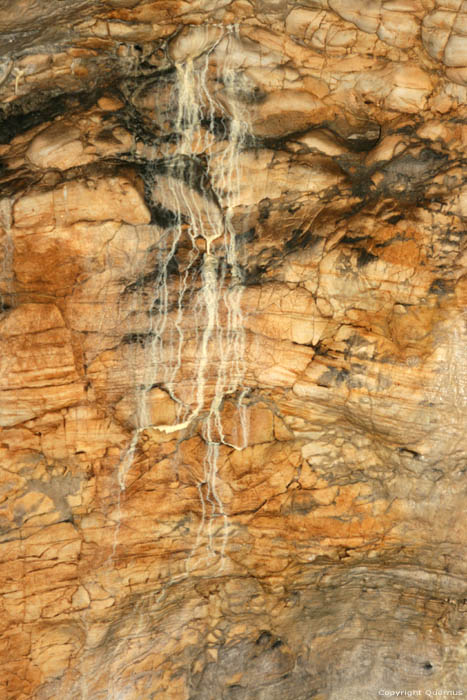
(295, 527)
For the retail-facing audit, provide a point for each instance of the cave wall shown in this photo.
(315, 547)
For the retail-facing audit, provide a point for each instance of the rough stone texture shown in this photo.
(329, 563)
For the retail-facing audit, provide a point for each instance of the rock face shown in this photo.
(233, 386)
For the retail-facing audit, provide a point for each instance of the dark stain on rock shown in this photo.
(395, 219)
(365, 257)
(333, 376)
(160, 271)
(32, 110)
(440, 287)
(300, 239)
(348, 239)
(140, 339)
(247, 236)
(264, 208)
(359, 140)
(163, 217)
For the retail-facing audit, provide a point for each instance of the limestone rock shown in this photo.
(233, 387)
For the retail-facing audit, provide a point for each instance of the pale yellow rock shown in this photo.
(58, 146)
(114, 199)
(412, 87)
(214, 492)
(436, 29)
(194, 41)
(366, 15)
(325, 496)
(322, 142)
(302, 108)
(398, 28)
(455, 51)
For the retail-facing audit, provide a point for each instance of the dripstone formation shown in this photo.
(233, 384)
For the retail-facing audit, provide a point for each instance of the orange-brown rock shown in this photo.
(233, 386)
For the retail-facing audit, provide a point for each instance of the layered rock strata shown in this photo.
(233, 372)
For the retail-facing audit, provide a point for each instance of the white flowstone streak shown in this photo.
(203, 213)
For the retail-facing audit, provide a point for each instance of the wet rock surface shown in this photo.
(295, 528)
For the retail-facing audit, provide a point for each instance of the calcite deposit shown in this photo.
(233, 384)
